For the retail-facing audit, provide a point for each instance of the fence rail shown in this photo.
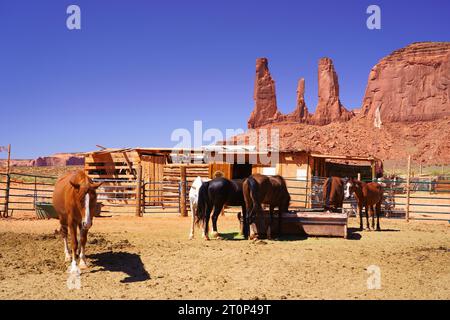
(416, 199)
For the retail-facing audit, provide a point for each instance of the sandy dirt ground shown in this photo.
(152, 258)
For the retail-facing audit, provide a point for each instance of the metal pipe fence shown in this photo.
(417, 199)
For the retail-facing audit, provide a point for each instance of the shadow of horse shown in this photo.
(291, 237)
(353, 234)
(129, 263)
(233, 236)
(236, 236)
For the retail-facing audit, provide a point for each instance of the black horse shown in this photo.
(216, 194)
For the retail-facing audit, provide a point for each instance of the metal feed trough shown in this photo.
(45, 210)
(310, 223)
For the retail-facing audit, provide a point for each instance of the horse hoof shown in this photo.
(83, 265)
(73, 269)
(191, 237)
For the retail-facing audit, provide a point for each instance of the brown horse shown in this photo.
(333, 194)
(367, 195)
(258, 190)
(75, 199)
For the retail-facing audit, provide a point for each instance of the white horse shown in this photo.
(193, 200)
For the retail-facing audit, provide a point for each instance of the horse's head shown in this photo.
(285, 202)
(350, 186)
(86, 193)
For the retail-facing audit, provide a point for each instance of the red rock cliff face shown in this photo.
(411, 84)
(329, 109)
(265, 110)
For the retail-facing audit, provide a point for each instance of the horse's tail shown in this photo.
(252, 194)
(202, 203)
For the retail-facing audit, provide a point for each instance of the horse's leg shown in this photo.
(269, 227)
(193, 210)
(242, 222)
(218, 207)
(373, 217)
(279, 222)
(83, 239)
(206, 225)
(367, 216)
(378, 208)
(74, 240)
(360, 209)
(63, 230)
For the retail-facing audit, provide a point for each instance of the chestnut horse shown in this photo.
(75, 199)
(333, 192)
(367, 195)
(217, 193)
(258, 190)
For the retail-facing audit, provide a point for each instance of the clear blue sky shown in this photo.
(139, 69)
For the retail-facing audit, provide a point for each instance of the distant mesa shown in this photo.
(411, 84)
(56, 160)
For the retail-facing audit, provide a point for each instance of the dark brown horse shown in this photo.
(333, 194)
(367, 195)
(75, 199)
(258, 190)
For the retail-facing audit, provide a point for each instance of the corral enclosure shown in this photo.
(160, 179)
(151, 178)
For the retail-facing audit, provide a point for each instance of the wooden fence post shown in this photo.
(8, 183)
(35, 193)
(138, 190)
(6, 207)
(183, 187)
(408, 188)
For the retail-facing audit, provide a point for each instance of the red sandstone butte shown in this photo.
(265, 110)
(300, 114)
(329, 108)
(411, 84)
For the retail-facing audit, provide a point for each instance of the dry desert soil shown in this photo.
(152, 258)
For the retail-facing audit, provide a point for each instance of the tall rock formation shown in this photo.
(300, 114)
(329, 108)
(411, 84)
(265, 110)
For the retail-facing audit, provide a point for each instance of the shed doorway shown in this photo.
(241, 171)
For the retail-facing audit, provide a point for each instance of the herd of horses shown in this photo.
(75, 198)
